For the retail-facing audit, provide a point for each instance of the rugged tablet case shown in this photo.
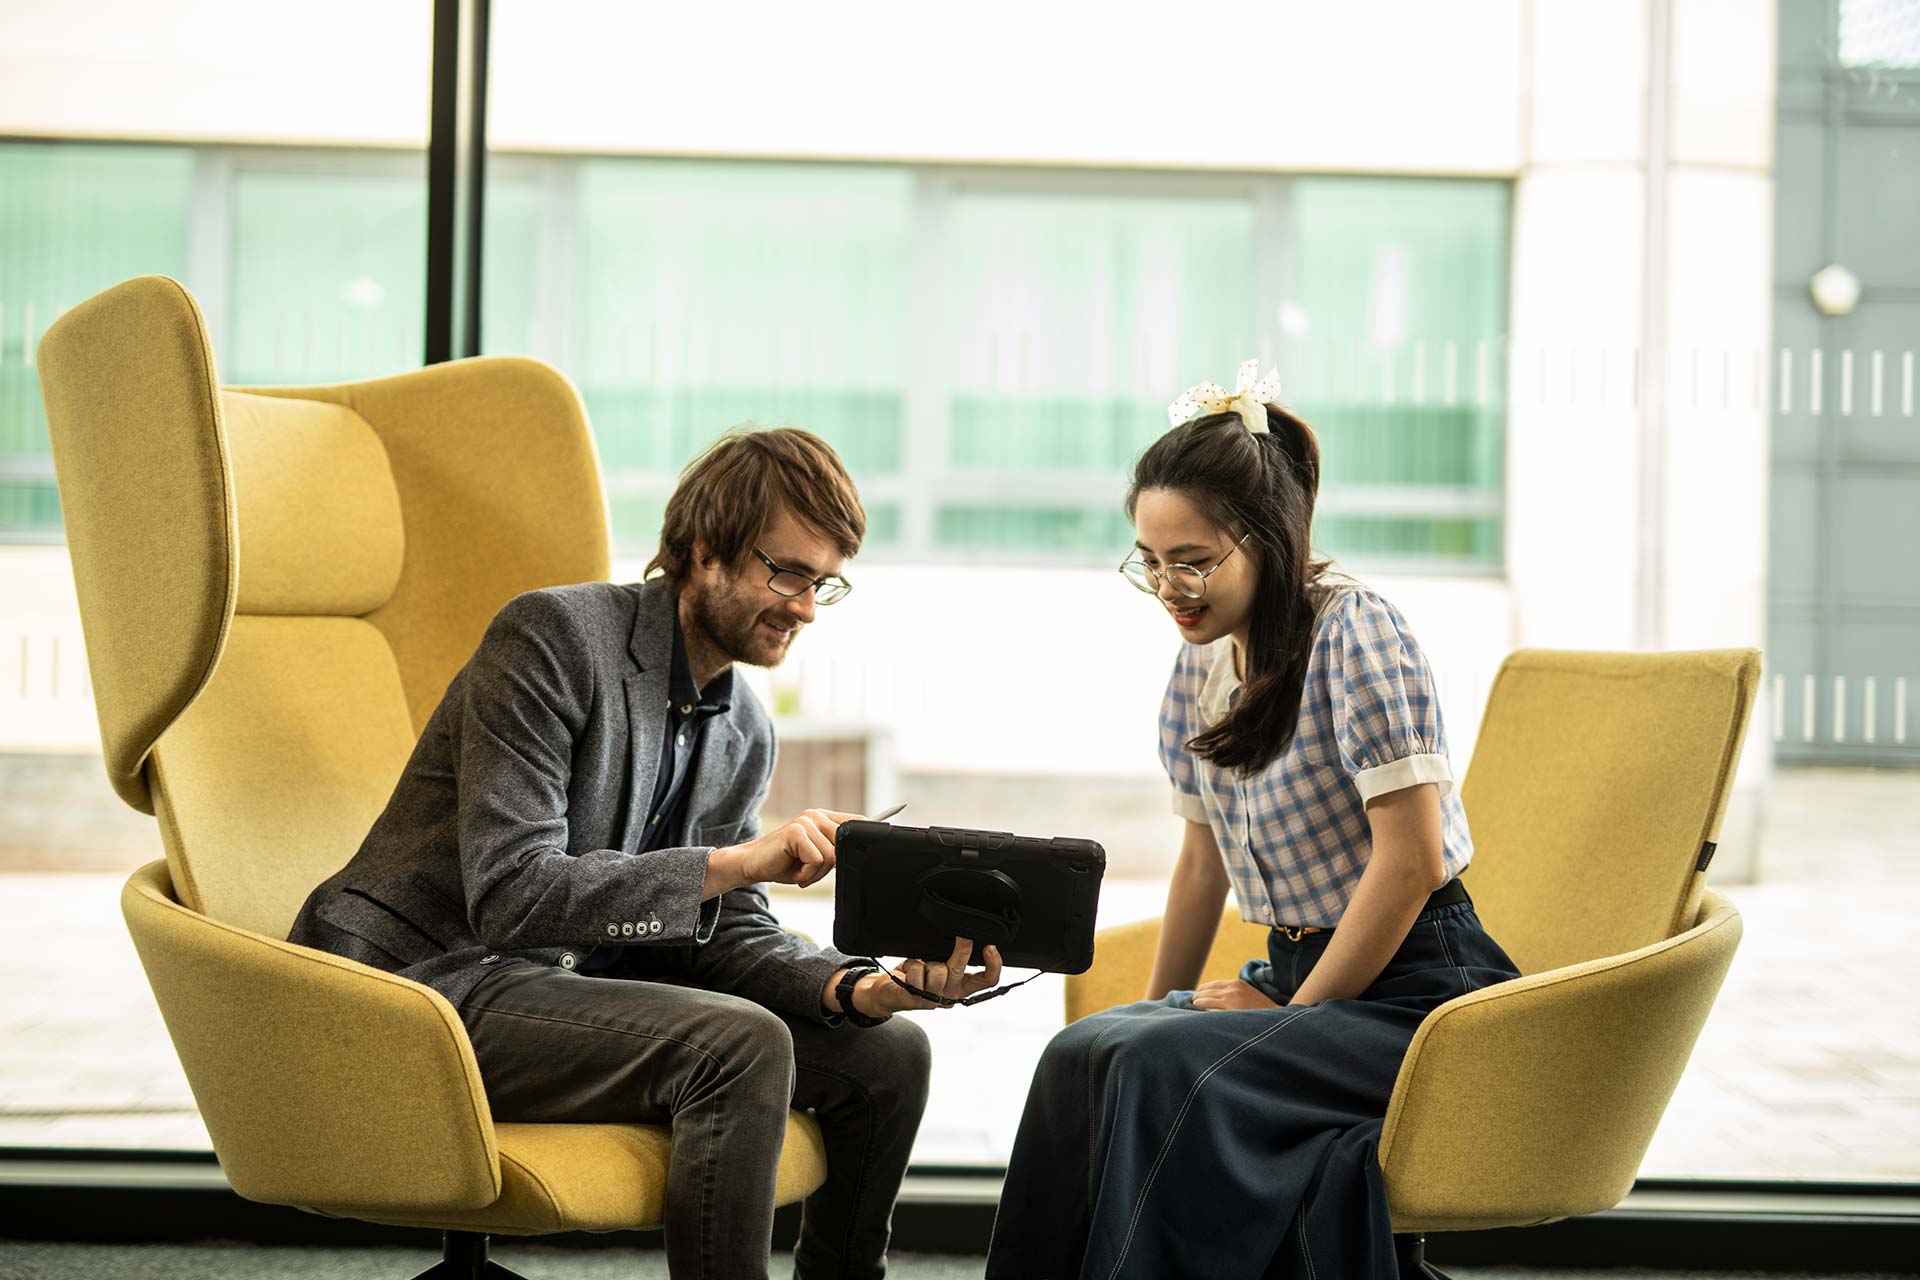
(909, 891)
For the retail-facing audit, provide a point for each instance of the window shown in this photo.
(989, 350)
(308, 263)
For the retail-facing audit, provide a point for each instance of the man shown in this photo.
(573, 856)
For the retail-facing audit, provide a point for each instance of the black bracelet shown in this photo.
(843, 992)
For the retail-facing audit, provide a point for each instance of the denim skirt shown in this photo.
(1160, 1140)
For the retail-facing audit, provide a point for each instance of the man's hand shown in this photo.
(797, 853)
(877, 995)
(1230, 993)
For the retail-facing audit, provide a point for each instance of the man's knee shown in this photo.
(894, 1062)
(749, 1046)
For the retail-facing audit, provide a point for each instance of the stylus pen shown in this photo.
(889, 813)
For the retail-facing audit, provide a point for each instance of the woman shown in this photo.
(1231, 1130)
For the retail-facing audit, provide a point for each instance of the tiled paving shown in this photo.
(1808, 1069)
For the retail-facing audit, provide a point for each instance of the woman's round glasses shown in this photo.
(1187, 580)
(792, 582)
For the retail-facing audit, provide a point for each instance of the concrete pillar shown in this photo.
(1638, 428)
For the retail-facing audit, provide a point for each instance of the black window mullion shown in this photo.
(456, 178)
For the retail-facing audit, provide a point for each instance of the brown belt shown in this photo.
(1445, 896)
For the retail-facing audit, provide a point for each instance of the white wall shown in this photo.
(1383, 86)
(1061, 671)
(348, 72)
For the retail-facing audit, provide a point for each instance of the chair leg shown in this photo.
(1410, 1251)
(464, 1257)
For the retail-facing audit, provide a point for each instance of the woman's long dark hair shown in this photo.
(1262, 485)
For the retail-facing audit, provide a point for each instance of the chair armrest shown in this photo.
(1122, 963)
(1536, 1099)
(321, 1081)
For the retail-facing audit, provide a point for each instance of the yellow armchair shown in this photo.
(276, 586)
(1596, 794)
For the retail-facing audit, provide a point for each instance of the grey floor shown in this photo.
(232, 1261)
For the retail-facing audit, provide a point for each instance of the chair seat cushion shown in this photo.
(595, 1177)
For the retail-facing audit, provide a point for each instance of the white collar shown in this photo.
(1222, 681)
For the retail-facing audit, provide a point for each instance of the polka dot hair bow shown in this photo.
(1248, 398)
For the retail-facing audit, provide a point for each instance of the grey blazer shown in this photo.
(510, 837)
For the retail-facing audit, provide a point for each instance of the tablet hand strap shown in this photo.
(985, 925)
(945, 1002)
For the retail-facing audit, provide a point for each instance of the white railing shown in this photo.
(1868, 710)
(46, 697)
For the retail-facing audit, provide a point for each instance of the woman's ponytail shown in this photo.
(1301, 447)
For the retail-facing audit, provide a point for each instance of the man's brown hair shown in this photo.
(732, 493)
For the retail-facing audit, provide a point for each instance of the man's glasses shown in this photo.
(1187, 580)
(792, 582)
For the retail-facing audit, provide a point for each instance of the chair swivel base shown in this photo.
(1410, 1251)
(464, 1257)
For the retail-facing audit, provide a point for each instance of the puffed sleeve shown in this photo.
(1386, 710)
(1179, 714)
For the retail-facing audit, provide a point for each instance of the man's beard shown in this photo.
(732, 626)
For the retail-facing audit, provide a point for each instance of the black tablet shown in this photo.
(909, 891)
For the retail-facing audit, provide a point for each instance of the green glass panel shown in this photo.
(636, 523)
(1056, 299)
(1379, 444)
(512, 264)
(1051, 433)
(1474, 541)
(328, 269)
(1397, 357)
(883, 527)
(1394, 261)
(30, 508)
(637, 519)
(715, 294)
(74, 219)
(1032, 529)
(660, 430)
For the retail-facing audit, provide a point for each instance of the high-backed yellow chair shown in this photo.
(1595, 797)
(276, 586)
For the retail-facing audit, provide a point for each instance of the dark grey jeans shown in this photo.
(557, 1046)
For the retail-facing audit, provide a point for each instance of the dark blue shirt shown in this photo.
(688, 710)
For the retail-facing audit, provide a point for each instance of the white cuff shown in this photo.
(1408, 771)
(1189, 806)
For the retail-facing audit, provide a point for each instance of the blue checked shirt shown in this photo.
(1295, 835)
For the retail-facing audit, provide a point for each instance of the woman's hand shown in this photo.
(877, 995)
(1230, 993)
